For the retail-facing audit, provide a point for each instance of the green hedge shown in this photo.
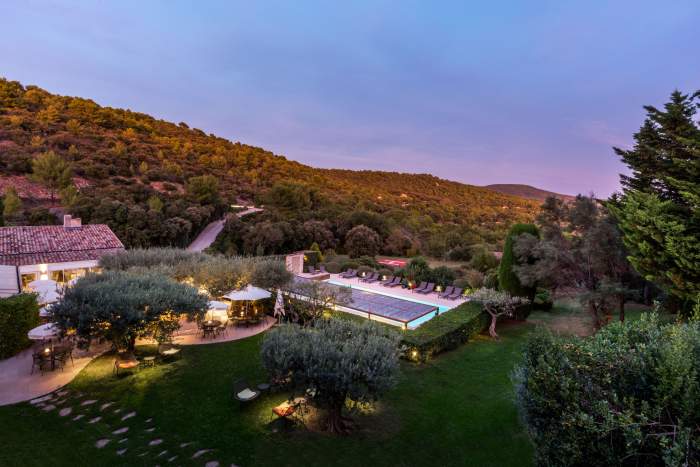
(444, 332)
(18, 314)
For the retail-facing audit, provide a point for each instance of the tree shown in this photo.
(203, 189)
(497, 304)
(269, 273)
(12, 203)
(659, 210)
(339, 359)
(121, 306)
(627, 395)
(309, 300)
(52, 171)
(507, 278)
(155, 204)
(362, 241)
(317, 232)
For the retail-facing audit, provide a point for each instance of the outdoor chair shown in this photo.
(456, 293)
(322, 269)
(448, 291)
(243, 392)
(420, 287)
(125, 361)
(39, 361)
(168, 350)
(428, 288)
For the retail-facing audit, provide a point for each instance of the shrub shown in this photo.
(311, 258)
(333, 267)
(444, 332)
(18, 314)
(385, 272)
(628, 395)
(507, 279)
(364, 270)
(349, 265)
(543, 300)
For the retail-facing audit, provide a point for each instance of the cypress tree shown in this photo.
(507, 279)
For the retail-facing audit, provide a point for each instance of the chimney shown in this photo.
(76, 222)
(67, 221)
(70, 222)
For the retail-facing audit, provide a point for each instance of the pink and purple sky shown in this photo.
(532, 92)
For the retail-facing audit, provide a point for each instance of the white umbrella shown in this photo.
(43, 332)
(48, 296)
(250, 293)
(279, 305)
(217, 310)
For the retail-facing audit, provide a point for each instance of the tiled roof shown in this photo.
(25, 245)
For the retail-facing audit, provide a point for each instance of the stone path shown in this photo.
(123, 431)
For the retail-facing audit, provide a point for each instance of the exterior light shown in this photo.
(44, 268)
(414, 354)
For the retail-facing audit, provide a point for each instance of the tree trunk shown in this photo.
(334, 419)
(132, 343)
(492, 326)
(621, 306)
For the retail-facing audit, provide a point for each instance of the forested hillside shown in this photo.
(159, 183)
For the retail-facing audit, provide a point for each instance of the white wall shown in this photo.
(8, 281)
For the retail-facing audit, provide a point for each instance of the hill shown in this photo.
(159, 183)
(527, 191)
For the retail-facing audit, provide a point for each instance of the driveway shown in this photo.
(211, 231)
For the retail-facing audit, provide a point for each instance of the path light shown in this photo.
(414, 354)
(438, 288)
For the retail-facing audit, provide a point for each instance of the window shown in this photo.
(26, 279)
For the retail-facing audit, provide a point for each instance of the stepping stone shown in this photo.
(121, 452)
(123, 440)
(117, 410)
(143, 454)
(200, 453)
(149, 420)
(128, 416)
(88, 402)
(120, 430)
(172, 458)
(48, 408)
(105, 405)
(212, 464)
(78, 417)
(155, 442)
(38, 400)
(63, 392)
(101, 443)
(94, 420)
(149, 430)
(184, 445)
(65, 412)
(162, 453)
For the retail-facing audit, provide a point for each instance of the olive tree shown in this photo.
(497, 304)
(122, 307)
(338, 359)
(310, 299)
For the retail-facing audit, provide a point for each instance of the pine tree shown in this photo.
(52, 171)
(659, 210)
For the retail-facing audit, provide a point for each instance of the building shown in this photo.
(57, 252)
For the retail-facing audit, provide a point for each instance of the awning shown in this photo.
(250, 293)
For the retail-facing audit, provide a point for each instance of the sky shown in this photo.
(534, 92)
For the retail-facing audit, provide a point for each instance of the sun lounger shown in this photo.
(456, 293)
(428, 288)
(448, 291)
(371, 278)
(391, 281)
(387, 280)
(350, 273)
(420, 287)
(396, 283)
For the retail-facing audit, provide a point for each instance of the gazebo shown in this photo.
(243, 303)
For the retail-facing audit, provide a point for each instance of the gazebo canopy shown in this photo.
(42, 284)
(216, 305)
(249, 293)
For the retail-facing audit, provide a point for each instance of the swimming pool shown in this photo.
(387, 307)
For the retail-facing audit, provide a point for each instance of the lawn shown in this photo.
(457, 410)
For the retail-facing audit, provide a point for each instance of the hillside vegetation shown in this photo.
(159, 183)
(527, 191)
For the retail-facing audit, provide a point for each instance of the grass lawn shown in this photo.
(457, 410)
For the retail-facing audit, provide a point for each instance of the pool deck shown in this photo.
(398, 292)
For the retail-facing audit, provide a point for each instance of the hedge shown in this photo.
(446, 331)
(18, 314)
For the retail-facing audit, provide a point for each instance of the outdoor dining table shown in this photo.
(210, 326)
